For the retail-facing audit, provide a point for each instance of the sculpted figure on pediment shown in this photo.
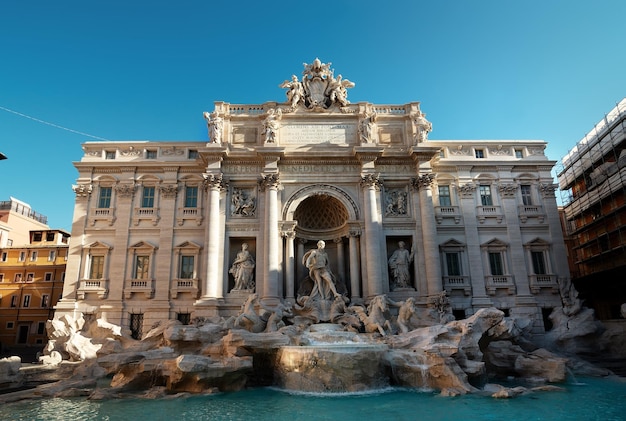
(216, 126)
(295, 94)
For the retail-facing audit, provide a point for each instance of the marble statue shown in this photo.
(295, 94)
(338, 90)
(216, 126)
(368, 128)
(271, 124)
(422, 127)
(399, 264)
(242, 270)
(316, 260)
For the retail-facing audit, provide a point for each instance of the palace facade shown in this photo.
(160, 228)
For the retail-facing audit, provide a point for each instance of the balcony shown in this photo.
(459, 283)
(531, 211)
(489, 212)
(102, 214)
(93, 286)
(151, 214)
(495, 282)
(543, 281)
(138, 286)
(189, 213)
(452, 212)
(181, 286)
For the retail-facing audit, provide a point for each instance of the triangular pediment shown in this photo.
(188, 245)
(143, 245)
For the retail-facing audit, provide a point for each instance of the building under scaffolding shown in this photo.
(593, 181)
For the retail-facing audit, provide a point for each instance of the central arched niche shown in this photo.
(320, 216)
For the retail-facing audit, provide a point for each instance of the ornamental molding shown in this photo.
(547, 189)
(466, 190)
(169, 191)
(82, 190)
(125, 190)
(507, 191)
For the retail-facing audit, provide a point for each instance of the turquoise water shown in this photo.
(592, 399)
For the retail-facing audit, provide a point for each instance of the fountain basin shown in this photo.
(345, 367)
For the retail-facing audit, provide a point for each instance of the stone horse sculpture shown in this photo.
(374, 320)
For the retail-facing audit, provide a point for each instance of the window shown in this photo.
(191, 196)
(184, 318)
(453, 264)
(22, 256)
(96, 271)
(495, 263)
(37, 236)
(13, 300)
(33, 256)
(52, 255)
(45, 300)
(519, 153)
(147, 198)
(41, 328)
(26, 301)
(142, 264)
(3, 256)
(444, 196)
(539, 263)
(136, 322)
(526, 194)
(479, 153)
(47, 276)
(485, 195)
(151, 154)
(109, 155)
(192, 154)
(104, 201)
(50, 236)
(186, 267)
(18, 277)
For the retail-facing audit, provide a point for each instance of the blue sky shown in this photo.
(139, 70)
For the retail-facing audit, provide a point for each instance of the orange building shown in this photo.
(31, 276)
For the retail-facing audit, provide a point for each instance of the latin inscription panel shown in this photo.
(299, 134)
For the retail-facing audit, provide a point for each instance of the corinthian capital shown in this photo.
(214, 181)
(371, 180)
(422, 181)
(269, 181)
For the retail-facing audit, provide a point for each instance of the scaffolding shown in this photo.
(592, 181)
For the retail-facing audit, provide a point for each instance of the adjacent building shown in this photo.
(162, 227)
(593, 175)
(32, 268)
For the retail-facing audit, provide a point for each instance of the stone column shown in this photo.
(467, 206)
(290, 236)
(341, 267)
(269, 293)
(355, 266)
(214, 286)
(429, 234)
(371, 185)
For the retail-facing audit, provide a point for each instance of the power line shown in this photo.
(51, 124)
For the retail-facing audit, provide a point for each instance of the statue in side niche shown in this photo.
(399, 264)
(242, 270)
